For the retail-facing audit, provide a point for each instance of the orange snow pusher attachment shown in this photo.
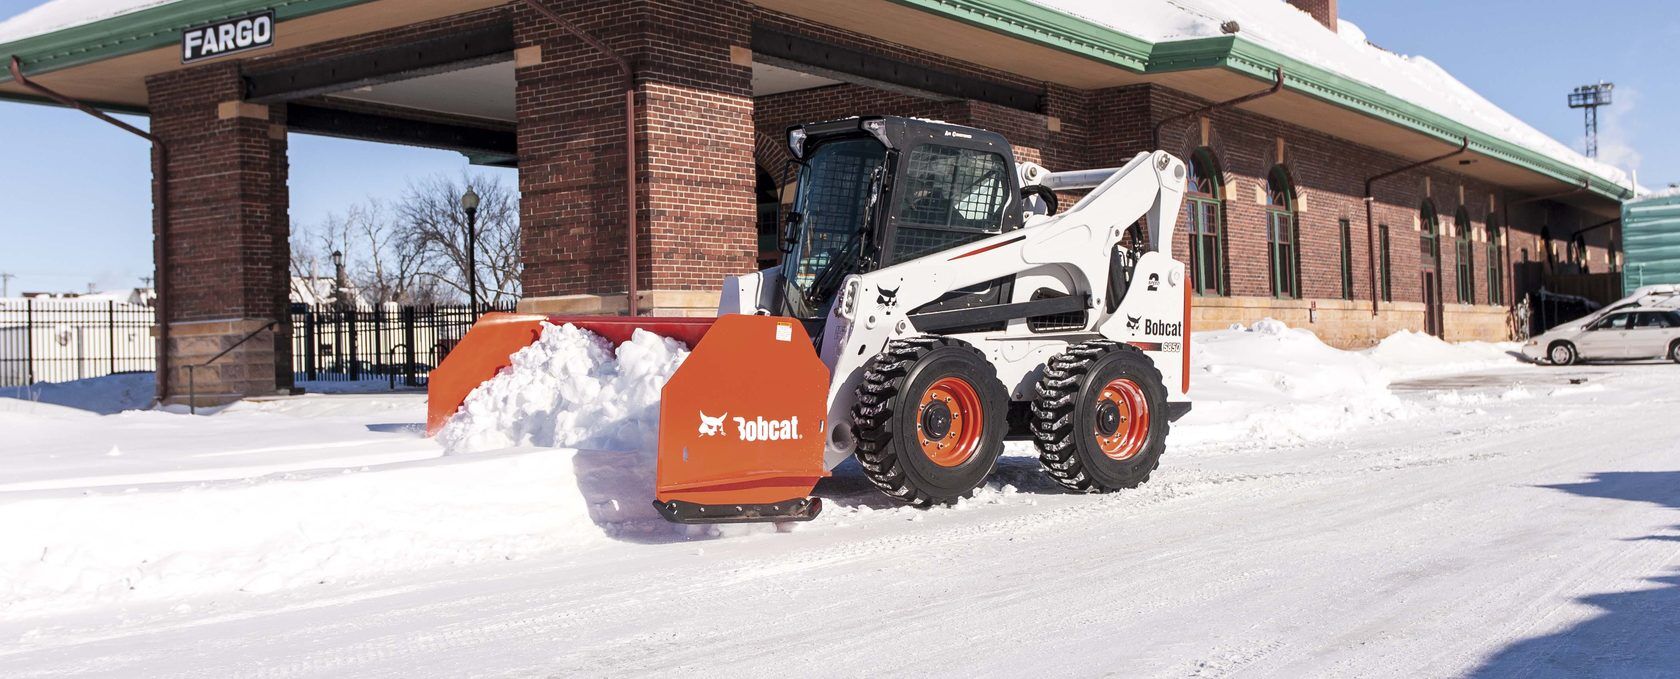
(741, 423)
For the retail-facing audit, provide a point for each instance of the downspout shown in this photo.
(1277, 86)
(629, 138)
(1370, 216)
(160, 211)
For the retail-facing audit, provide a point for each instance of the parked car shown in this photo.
(1622, 334)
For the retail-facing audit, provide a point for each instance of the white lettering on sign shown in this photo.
(227, 37)
(760, 429)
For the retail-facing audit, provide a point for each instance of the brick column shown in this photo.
(227, 228)
(696, 208)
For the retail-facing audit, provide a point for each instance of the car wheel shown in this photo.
(1561, 353)
(1674, 351)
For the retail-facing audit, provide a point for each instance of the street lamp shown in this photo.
(469, 203)
(338, 278)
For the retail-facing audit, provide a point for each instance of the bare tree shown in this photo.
(432, 209)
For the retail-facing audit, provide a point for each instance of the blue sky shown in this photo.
(75, 193)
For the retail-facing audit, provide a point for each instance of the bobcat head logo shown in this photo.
(711, 426)
(1133, 321)
(1154, 282)
(888, 298)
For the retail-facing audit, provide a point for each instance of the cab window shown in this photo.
(950, 196)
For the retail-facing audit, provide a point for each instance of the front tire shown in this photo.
(1100, 420)
(1674, 351)
(1562, 353)
(930, 420)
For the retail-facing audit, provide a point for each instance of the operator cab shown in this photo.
(877, 191)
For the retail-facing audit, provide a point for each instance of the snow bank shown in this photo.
(102, 395)
(1407, 355)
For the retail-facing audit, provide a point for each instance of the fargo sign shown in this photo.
(226, 37)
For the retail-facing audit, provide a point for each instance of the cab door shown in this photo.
(1607, 338)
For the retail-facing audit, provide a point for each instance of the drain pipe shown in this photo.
(160, 210)
(1370, 216)
(629, 138)
(1277, 86)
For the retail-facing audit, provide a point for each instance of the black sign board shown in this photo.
(229, 36)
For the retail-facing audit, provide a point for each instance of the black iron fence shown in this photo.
(58, 340)
(396, 345)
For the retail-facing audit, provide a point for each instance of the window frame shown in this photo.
(1495, 264)
(899, 221)
(1282, 217)
(1464, 253)
(1386, 262)
(1346, 257)
(1205, 224)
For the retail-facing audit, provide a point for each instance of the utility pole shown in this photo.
(1589, 98)
(6, 284)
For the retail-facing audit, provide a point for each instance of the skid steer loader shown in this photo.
(953, 308)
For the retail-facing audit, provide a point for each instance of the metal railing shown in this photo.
(192, 368)
(58, 340)
(397, 345)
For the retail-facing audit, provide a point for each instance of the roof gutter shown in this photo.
(1370, 217)
(160, 211)
(629, 76)
(1277, 86)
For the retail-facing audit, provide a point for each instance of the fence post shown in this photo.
(408, 346)
(355, 369)
(111, 334)
(29, 341)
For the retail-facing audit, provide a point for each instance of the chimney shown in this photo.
(1322, 10)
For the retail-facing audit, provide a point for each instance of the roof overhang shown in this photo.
(1043, 44)
(106, 63)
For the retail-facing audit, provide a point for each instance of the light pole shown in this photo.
(469, 203)
(338, 279)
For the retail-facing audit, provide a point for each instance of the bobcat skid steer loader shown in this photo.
(952, 307)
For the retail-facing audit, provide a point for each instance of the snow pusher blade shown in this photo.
(490, 344)
(741, 426)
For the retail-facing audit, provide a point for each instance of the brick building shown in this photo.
(1276, 223)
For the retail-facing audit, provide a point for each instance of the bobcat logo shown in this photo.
(712, 426)
(888, 298)
(1133, 321)
(1154, 282)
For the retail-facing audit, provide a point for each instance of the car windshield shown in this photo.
(832, 206)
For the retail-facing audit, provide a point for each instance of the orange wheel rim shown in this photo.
(1121, 416)
(948, 421)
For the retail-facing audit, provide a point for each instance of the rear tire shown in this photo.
(930, 419)
(1100, 419)
(1561, 353)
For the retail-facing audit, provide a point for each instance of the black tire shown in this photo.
(1562, 353)
(891, 421)
(1070, 409)
(1674, 351)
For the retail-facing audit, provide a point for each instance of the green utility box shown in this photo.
(1651, 240)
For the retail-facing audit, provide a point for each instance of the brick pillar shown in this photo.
(1324, 11)
(696, 208)
(227, 228)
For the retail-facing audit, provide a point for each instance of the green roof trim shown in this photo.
(143, 30)
(1058, 30)
(161, 26)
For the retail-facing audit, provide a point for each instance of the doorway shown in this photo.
(1432, 314)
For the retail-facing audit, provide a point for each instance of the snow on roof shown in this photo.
(1279, 26)
(57, 15)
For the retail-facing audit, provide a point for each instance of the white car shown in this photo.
(1644, 327)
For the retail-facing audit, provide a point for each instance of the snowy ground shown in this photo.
(1415, 510)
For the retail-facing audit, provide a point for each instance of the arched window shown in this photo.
(1466, 263)
(1495, 262)
(1281, 234)
(1430, 241)
(1205, 223)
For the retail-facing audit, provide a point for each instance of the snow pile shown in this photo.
(102, 395)
(569, 390)
(1269, 384)
(1281, 27)
(1407, 355)
(61, 14)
